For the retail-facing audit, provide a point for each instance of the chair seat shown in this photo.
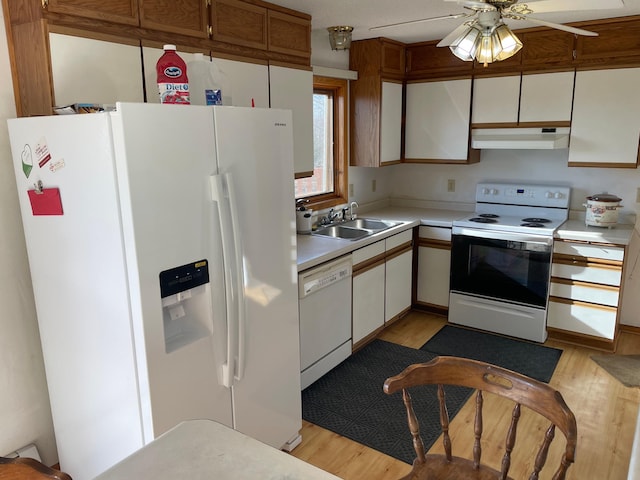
(437, 467)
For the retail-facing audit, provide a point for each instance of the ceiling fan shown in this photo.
(486, 37)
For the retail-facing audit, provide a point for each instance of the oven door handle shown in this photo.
(508, 236)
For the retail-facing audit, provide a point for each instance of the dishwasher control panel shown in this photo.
(321, 277)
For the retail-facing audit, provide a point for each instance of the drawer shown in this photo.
(588, 273)
(604, 252)
(436, 233)
(584, 319)
(399, 239)
(585, 292)
(365, 253)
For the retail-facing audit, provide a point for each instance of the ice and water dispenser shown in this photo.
(186, 304)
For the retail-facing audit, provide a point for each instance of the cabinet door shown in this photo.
(391, 122)
(117, 11)
(397, 285)
(289, 34)
(239, 23)
(437, 120)
(186, 17)
(546, 97)
(605, 123)
(434, 265)
(292, 89)
(109, 72)
(496, 100)
(368, 302)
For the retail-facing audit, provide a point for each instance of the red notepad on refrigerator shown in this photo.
(45, 202)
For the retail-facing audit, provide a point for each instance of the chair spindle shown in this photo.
(510, 442)
(414, 427)
(541, 457)
(444, 422)
(477, 430)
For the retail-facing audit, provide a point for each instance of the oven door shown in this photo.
(504, 266)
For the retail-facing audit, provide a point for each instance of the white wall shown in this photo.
(429, 182)
(25, 415)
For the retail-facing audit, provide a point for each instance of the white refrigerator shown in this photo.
(162, 250)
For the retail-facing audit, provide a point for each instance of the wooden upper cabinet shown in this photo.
(547, 49)
(392, 61)
(186, 17)
(425, 61)
(117, 11)
(289, 34)
(617, 44)
(239, 23)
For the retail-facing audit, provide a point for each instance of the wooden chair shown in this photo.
(28, 469)
(522, 390)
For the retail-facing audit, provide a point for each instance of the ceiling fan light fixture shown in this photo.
(490, 49)
(340, 37)
(509, 42)
(466, 45)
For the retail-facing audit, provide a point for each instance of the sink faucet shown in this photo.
(331, 216)
(351, 214)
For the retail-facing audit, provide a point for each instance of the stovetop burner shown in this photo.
(489, 215)
(483, 219)
(536, 220)
(532, 225)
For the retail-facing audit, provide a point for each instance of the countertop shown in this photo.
(205, 450)
(314, 250)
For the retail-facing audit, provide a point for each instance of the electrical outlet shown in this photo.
(373, 185)
(351, 190)
(451, 185)
(638, 195)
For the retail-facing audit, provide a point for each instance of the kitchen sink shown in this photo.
(355, 229)
(370, 224)
(342, 231)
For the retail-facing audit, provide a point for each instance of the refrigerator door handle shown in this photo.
(222, 193)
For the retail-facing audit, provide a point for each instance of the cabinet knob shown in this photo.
(45, 3)
(210, 31)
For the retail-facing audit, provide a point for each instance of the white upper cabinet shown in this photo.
(292, 89)
(539, 98)
(606, 125)
(391, 122)
(546, 97)
(94, 71)
(248, 81)
(437, 120)
(496, 99)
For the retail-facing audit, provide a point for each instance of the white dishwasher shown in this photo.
(324, 294)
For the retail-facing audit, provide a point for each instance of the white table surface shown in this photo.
(204, 449)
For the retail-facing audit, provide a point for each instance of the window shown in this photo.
(327, 187)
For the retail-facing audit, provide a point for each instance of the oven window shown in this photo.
(501, 269)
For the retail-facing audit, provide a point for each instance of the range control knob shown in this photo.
(558, 195)
(548, 194)
(494, 191)
(485, 191)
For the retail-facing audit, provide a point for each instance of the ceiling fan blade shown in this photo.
(473, 4)
(558, 26)
(547, 6)
(446, 41)
(431, 19)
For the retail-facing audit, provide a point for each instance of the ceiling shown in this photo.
(363, 14)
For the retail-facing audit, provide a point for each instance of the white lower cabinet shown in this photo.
(368, 290)
(382, 274)
(585, 292)
(398, 275)
(434, 265)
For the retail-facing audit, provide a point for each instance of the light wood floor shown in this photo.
(605, 411)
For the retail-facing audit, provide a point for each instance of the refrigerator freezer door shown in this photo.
(255, 146)
(164, 159)
(78, 271)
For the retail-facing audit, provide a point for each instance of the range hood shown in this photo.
(520, 138)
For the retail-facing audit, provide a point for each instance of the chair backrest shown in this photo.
(28, 469)
(522, 390)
